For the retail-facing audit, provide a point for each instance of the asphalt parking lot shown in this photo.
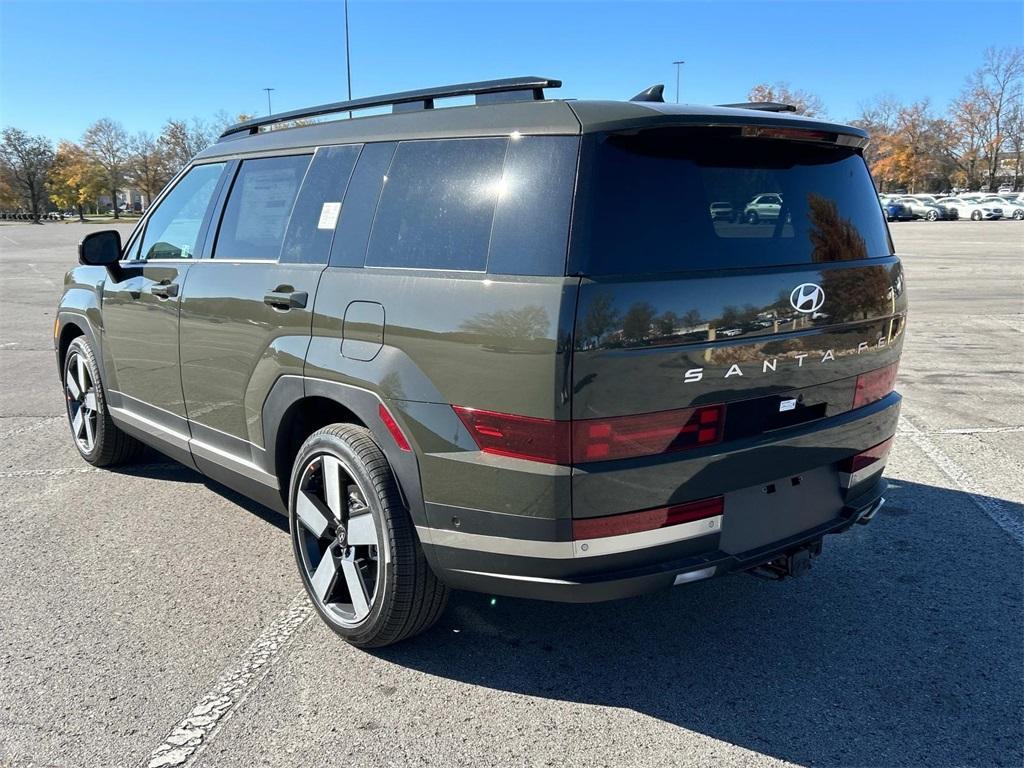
(147, 610)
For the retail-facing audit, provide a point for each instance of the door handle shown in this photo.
(164, 290)
(286, 299)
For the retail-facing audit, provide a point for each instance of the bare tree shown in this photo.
(147, 165)
(806, 103)
(26, 161)
(181, 140)
(107, 144)
(995, 88)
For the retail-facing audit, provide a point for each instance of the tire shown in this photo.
(932, 216)
(976, 216)
(99, 441)
(1018, 214)
(371, 594)
(753, 218)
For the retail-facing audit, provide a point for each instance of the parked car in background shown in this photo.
(1005, 190)
(972, 209)
(722, 211)
(928, 210)
(896, 211)
(1011, 208)
(763, 208)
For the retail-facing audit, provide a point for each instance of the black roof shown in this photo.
(503, 107)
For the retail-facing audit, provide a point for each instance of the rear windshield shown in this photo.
(694, 199)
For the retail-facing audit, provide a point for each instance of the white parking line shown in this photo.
(192, 733)
(963, 431)
(1000, 515)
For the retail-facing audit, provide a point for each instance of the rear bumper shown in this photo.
(630, 582)
(522, 556)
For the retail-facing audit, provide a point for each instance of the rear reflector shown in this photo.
(649, 434)
(867, 458)
(647, 520)
(874, 385)
(396, 431)
(581, 441)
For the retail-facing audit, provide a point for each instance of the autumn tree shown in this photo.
(910, 153)
(26, 160)
(148, 168)
(806, 103)
(107, 144)
(75, 179)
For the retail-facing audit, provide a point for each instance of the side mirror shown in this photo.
(100, 249)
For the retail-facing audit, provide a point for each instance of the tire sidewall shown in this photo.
(79, 347)
(321, 443)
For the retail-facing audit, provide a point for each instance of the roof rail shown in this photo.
(486, 92)
(764, 106)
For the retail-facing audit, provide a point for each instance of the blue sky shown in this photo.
(63, 65)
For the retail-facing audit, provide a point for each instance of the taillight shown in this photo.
(874, 385)
(646, 435)
(523, 437)
(865, 459)
(581, 441)
(392, 426)
(647, 520)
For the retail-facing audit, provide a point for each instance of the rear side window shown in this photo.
(437, 205)
(258, 208)
(318, 207)
(694, 199)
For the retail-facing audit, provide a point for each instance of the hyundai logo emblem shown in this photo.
(807, 298)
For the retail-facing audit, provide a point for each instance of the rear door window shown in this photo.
(258, 208)
(437, 205)
(646, 203)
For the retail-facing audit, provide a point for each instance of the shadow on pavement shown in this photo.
(901, 647)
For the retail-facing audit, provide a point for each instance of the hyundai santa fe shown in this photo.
(508, 346)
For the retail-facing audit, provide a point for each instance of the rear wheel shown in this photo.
(1018, 214)
(355, 544)
(932, 215)
(97, 438)
(976, 216)
(753, 218)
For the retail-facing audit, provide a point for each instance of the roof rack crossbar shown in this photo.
(763, 106)
(516, 87)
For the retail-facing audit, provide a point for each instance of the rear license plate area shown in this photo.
(763, 514)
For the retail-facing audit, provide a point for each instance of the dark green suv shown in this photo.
(506, 347)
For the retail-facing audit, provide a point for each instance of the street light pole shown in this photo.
(268, 90)
(348, 64)
(678, 67)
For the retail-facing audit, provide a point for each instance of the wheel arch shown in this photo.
(71, 326)
(298, 406)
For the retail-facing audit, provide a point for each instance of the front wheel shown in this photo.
(1018, 214)
(933, 215)
(976, 216)
(355, 544)
(753, 218)
(99, 441)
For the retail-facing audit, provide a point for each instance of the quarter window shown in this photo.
(437, 205)
(173, 229)
(258, 207)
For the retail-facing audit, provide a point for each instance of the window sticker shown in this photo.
(329, 216)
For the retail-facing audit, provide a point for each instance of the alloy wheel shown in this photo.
(80, 392)
(337, 539)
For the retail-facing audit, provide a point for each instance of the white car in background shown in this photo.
(975, 211)
(1011, 209)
